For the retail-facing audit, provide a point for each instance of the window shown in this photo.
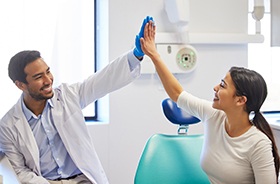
(265, 60)
(62, 30)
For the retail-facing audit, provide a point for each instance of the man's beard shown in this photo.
(38, 96)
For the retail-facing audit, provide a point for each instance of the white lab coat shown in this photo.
(19, 144)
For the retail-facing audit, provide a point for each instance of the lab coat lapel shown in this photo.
(59, 111)
(26, 137)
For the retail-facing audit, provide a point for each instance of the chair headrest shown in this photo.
(176, 115)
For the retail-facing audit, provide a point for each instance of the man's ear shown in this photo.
(19, 84)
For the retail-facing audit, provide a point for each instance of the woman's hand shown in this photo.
(148, 41)
(170, 83)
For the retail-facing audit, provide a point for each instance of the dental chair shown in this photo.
(172, 159)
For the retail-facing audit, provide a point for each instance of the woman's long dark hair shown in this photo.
(252, 85)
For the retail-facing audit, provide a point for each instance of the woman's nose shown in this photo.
(215, 88)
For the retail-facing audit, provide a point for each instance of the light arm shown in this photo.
(170, 83)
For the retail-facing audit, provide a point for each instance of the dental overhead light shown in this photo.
(178, 13)
(258, 13)
(181, 57)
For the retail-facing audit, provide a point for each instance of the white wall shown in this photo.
(135, 111)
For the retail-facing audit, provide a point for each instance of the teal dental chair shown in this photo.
(172, 159)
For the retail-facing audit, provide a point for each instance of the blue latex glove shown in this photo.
(137, 50)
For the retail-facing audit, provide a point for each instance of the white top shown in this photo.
(244, 159)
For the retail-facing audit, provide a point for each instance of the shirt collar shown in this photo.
(28, 113)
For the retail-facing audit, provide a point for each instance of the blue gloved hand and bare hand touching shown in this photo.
(137, 51)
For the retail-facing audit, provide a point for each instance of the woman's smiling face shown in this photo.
(225, 97)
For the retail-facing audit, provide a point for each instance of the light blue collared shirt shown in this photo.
(55, 162)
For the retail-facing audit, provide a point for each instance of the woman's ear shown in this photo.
(241, 100)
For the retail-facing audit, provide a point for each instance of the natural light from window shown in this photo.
(266, 60)
(62, 30)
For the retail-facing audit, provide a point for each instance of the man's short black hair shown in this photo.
(19, 61)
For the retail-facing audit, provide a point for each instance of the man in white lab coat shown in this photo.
(44, 134)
